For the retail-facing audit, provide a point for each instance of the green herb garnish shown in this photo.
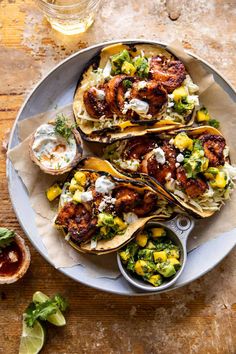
(214, 123)
(42, 310)
(63, 127)
(6, 237)
(183, 106)
(142, 67)
(127, 84)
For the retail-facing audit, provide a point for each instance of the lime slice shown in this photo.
(57, 318)
(32, 339)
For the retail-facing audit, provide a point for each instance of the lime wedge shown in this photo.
(57, 318)
(32, 339)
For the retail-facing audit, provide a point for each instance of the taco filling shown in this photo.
(192, 166)
(132, 86)
(95, 206)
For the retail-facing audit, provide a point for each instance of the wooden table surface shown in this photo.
(199, 318)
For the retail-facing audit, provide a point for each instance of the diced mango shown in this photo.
(179, 93)
(203, 115)
(155, 280)
(160, 256)
(211, 173)
(220, 181)
(140, 267)
(124, 255)
(141, 239)
(158, 232)
(74, 186)
(53, 192)
(80, 178)
(120, 223)
(182, 142)
(150, 246)
(173, 254)
(174, 261)
(128, 68)
(77, 196)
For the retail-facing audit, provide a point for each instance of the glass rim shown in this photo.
(55, 6)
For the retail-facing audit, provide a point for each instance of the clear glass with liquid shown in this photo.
(69, 16)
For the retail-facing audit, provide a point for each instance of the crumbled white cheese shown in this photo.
(127, 94)
(193, 99)
(177, 164)
(103, 185)
(100, 94)
(180, 158)
(159, 155)
(106, 201)
(136, 105)
(129, 218)
(12, 255)
(86, 196)
(132, 165)
(168, 176)
(141, 85)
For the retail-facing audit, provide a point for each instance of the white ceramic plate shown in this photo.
(57, 89)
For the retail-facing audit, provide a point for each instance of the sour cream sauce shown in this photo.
(51, 149)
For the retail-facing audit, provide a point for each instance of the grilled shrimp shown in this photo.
(159, 171)
(170, 73)
(213, 146)
(136, 148)
(194, 187)
(95, 103)
(151, 92)
(148, 204)
(78, 221)
(115, 93)
(128, 200)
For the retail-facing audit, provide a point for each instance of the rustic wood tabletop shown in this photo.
(199, 318)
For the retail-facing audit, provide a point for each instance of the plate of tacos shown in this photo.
(156, 153)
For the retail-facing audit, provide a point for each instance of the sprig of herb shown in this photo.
(63, 127)
(6, 237)
(42, 310)
(214, 123)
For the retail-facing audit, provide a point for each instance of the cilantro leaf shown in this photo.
(62, 126)
(142, 67)
(214, 123)
(6, 237)
(127, 84)
(42, 310)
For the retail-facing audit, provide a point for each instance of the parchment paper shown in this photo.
(220, 106)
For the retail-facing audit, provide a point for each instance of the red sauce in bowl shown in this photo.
(10, 259)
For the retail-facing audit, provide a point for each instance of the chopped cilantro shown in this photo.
(214, 123)
(63, 127)
(6, 237)
(127, 84)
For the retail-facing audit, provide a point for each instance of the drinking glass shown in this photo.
(69, 16)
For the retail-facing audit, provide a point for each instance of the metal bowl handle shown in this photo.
(181, 225)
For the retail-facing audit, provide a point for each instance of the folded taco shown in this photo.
(99, 213)
(193, 165)
(133, 88)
